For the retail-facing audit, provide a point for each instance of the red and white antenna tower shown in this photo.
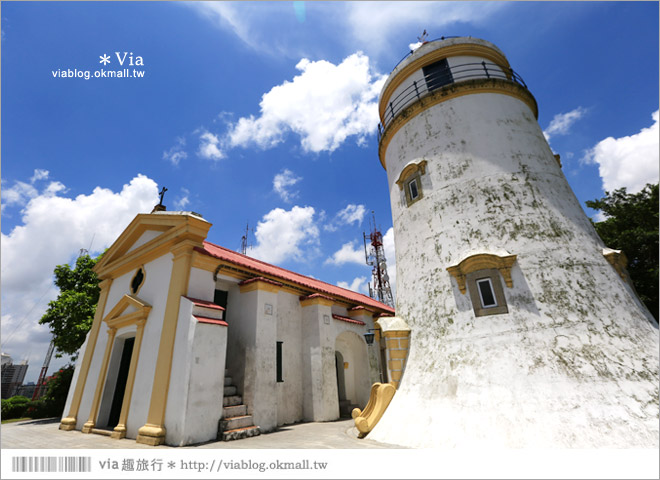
(375, 257)
(42, 374)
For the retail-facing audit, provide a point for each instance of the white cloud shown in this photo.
(283, 235)
(353, 23)
(359, 284)
(324, 105)
(18, 194)
(281, 183)
(39, 174)
(53, 229)
(348, 253)
(562, 122)
(21, 192)
(630, 161)
(209, 147)
(176, 153)
(350, 214)
(368, 20)
(182, 200)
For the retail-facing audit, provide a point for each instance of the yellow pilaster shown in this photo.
(91, 422)
(120, 429)
(153, 432)
(69, 422)
(398, 344)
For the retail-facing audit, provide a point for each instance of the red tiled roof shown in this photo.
(205, 303)
(213, 321)
(346, 319)
(289, 276)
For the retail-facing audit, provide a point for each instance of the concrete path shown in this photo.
(46, 434)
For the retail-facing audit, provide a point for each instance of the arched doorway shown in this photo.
(341, 382)
(115, 386)
(352, 362)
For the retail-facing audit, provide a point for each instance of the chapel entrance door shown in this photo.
(120, 386)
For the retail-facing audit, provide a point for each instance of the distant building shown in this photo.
(12, 376)
(27, 390)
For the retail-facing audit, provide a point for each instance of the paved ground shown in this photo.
(46, 434)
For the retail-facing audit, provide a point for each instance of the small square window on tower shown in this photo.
(410, 181)
(486, 292)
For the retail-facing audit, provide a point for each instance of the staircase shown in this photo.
(235, 422)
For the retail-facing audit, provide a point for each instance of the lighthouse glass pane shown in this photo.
(414, 193)
(486, 293)
(437, 74)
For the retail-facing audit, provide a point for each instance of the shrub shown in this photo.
(14, 407)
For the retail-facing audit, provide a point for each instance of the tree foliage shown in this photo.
(70, 316)
(631, 225)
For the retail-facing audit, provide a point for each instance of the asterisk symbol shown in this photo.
(171, 464)
(105, 59)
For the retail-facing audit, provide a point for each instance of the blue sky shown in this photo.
(265, 113)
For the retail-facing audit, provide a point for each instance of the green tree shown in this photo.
(631, 225)
(57, 388)
(70, 316)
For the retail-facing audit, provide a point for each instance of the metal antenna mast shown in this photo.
(244, 240)
(375, 257)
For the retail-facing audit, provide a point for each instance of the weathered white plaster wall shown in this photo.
(575, 361)
(320, 399)
(289, 330)
(201, 284)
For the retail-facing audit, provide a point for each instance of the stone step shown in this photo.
(230, 390)
(239, 433)
(228, 381)
(234, 411)
(231, 400)
(236, 422)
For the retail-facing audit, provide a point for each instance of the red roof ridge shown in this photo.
(212, 321)
(260, 279)
(347, 319)
(204, 303)
(315, 295)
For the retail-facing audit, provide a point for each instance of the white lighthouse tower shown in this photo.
(525, 330)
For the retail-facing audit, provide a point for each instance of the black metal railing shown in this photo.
(455, 74)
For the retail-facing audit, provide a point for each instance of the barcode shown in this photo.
(51, 464)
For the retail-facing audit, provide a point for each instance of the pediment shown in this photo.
(149, 232)
(128, 310)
